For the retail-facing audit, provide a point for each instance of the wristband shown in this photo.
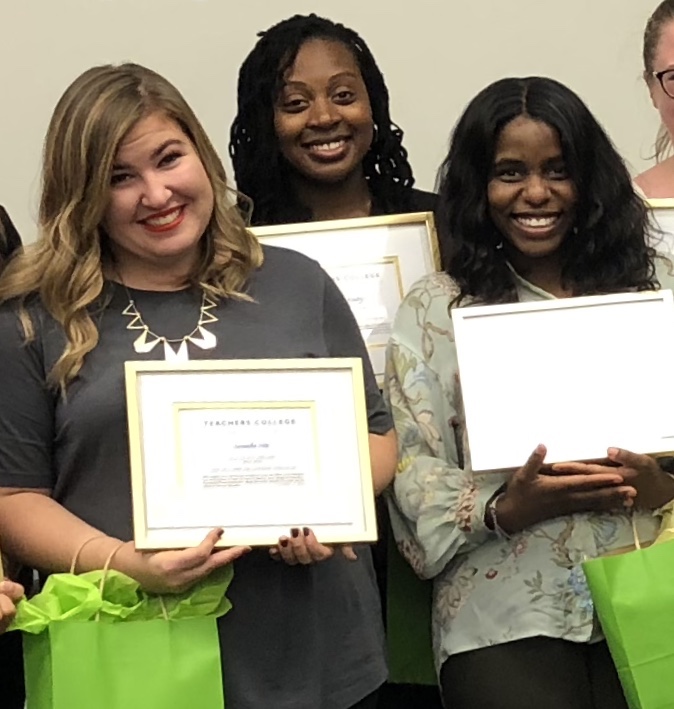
(491, 519)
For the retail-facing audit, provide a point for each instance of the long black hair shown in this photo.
(605, 251)
(260, 170)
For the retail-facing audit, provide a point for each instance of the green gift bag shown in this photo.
(633, 594)
(122, 648)
(408, 623)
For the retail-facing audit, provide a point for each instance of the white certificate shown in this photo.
(374, 261)
(578, 375)
(256, 447)
(374, 291)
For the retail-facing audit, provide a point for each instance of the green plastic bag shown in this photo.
(408, 623)
(124, 649)
(633, 594)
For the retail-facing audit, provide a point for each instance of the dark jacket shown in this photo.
(10, 240)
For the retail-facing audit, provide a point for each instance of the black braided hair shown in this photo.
(260, 170)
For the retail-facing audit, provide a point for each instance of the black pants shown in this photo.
(370, 702)
(531, 674)
(409, 696)
(12, 693)
(396, 696)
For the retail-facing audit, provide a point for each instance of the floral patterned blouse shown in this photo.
(487, 589)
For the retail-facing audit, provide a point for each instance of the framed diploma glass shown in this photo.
(662, 236)
(253, 446)
(374, 261)
(578, 375)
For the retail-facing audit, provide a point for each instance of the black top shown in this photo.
(417, 201)
(406, 201)
(298, 637)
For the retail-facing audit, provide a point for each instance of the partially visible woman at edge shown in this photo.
(535, 204)
(137, 229)
(313, 140)
(10, 241)
(12, 695)
(658, 56)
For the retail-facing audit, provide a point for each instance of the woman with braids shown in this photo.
(313, 138)
(138, 231)
(658, 56)
(535, 204)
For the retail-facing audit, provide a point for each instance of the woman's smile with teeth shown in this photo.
(163, 219)
(333, 145)
(541, 221)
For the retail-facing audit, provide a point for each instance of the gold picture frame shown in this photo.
(373, 260)
(255, 447)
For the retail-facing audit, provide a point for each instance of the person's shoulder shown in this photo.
(423, 323)
(403, 200)
(10, 314)
(283, 263)
(11, 328)
(657, 182)
(434, 285)
(430, 298)
(285, 257)
(11, 240)
(421, 201)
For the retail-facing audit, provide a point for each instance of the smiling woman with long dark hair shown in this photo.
(535, 204)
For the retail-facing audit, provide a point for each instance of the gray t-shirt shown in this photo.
(298, 637)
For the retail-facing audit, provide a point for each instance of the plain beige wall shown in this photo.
(435, 54)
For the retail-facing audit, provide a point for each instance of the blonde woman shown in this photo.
(136, 228)
(658, 55)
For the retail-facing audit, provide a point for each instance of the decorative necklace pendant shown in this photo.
(179, 355)
(141, 345)
(174, 350)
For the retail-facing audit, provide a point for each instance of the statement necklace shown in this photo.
(175, 349)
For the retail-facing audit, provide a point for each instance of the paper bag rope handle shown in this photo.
(106, 568)
(76, 555)
(104, 577)
(635, 531)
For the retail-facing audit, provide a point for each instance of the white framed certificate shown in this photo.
(374, 261)
(578, 375)
(662, 234)
(255, 447)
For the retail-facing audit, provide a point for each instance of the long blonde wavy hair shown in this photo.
(64, 268)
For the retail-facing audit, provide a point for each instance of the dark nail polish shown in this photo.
(284, 543)
(295, 532)
(306, 531)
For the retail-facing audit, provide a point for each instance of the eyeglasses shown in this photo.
(666, 79)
